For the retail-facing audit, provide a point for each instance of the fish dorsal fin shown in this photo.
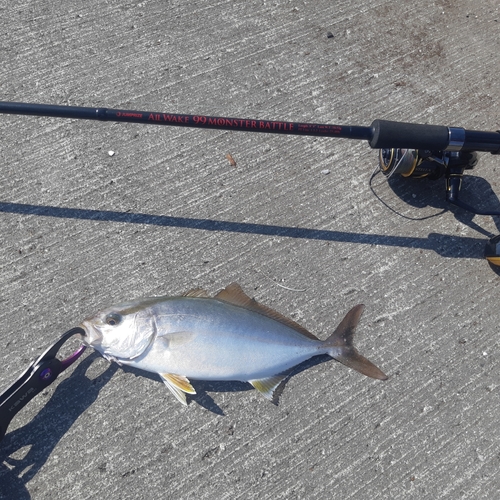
(236, 296)
(271, 387)
(178, 386)
(196, 292)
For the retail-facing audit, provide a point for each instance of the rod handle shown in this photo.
(389, 134)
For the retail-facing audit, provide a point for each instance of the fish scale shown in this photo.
(233, 344)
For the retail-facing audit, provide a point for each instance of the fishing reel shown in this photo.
(435, 165)
(419, 164)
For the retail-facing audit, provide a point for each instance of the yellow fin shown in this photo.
(196, 292)
(178, 386)
(271, 387)
(180, 382)
(236, 296)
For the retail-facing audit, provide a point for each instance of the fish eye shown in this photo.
(113, 319)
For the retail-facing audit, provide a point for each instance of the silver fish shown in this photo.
(227, 337)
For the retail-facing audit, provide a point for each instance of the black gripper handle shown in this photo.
(389, 134)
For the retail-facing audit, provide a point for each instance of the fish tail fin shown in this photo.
(341, 348)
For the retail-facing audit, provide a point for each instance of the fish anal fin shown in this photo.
(341, 346)
(178, 386)
(196, 292)
(233, 294)
(271, 387)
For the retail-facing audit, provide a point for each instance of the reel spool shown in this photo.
(420, 164)
(398, 161)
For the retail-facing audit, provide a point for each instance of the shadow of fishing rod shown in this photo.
(445, 245)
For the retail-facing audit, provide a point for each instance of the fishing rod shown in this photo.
(406, 149)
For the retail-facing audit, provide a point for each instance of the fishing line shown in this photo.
(370, 184)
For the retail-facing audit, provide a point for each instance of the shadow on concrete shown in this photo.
(444, 245)
(203, 387)
(422, 193)
(71, 398)
(203, 399)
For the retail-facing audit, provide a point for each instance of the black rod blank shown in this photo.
(380, 134)
(180, 120)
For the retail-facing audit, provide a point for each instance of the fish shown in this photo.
(228, 337)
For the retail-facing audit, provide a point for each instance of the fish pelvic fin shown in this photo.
(272, 387)
(342, 348)
(178, 386)
(233, 294)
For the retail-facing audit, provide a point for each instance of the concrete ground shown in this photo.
(167, 212)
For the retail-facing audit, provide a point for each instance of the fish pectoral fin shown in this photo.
(271, 387)
(178, 386)
(175, 339)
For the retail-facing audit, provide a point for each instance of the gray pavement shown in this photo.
(81, 229)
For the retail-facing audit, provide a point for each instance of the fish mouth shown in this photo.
(92, 337)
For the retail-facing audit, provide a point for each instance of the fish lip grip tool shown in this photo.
(39, 375)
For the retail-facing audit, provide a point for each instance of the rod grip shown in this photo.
(389, 134)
